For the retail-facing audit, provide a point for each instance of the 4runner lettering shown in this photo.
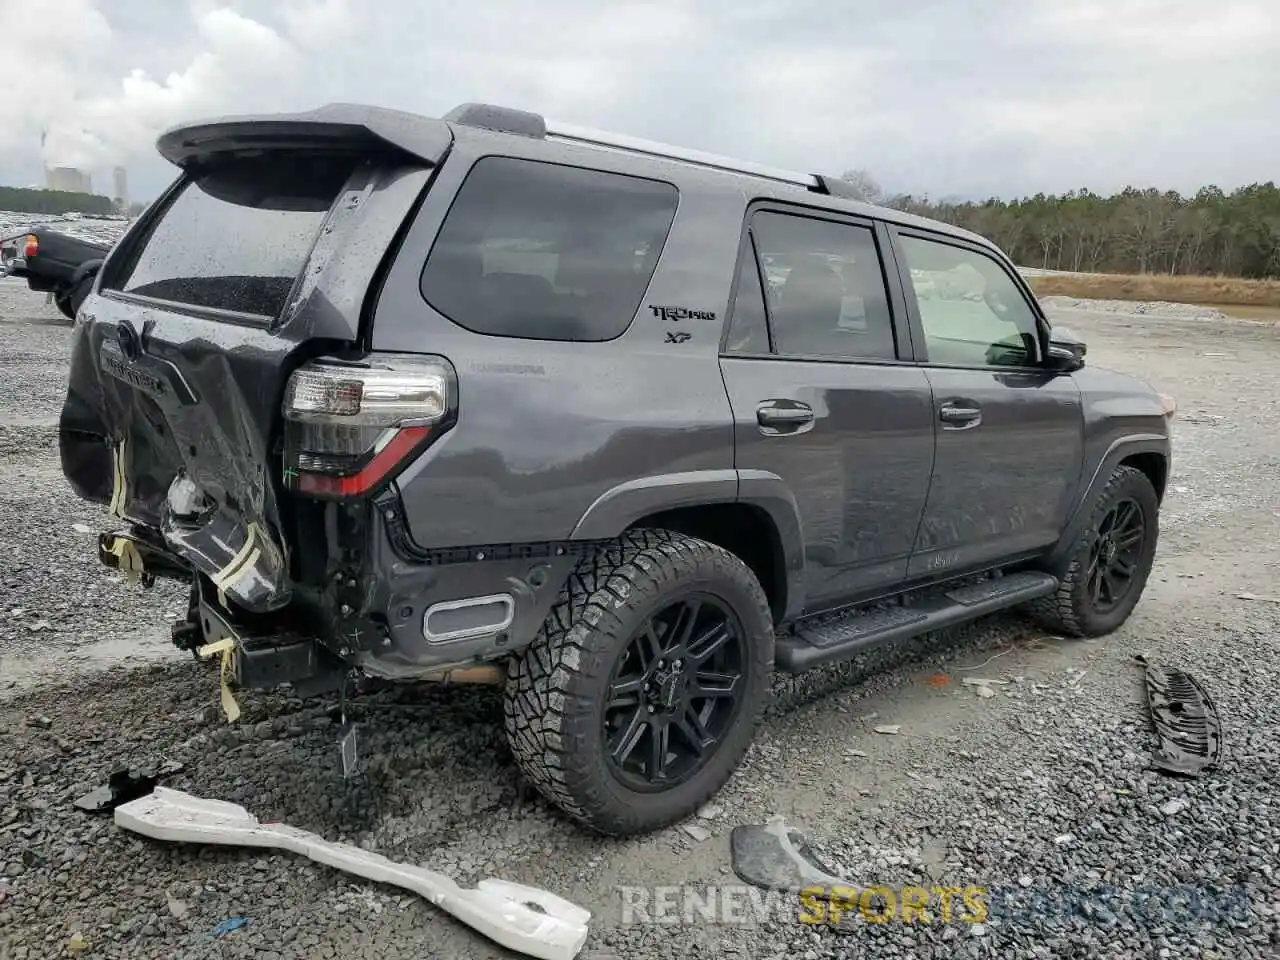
(883, 438)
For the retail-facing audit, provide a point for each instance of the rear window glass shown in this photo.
(236, 236)
(547, 252)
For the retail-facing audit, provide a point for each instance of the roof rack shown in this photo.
(524, 123)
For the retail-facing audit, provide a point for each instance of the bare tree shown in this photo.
(865, 186)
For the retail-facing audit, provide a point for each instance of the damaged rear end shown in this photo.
(223, 399)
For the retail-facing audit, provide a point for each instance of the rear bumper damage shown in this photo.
(448, 614)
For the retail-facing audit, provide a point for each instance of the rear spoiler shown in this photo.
(346, 126)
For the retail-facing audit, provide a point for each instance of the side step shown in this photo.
(841, 636)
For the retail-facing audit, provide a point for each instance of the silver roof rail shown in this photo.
(617, 141)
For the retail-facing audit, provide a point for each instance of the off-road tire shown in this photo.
(69, 303)
(1069, 611)
(555, 687)
(63, 303)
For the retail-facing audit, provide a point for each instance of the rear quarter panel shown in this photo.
(546, 428)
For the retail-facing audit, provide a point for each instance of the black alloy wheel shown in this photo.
(1116, 555)
(643, 690)
(1102, 575)
(675, 693)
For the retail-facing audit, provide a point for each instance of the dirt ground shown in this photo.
(1040, 791)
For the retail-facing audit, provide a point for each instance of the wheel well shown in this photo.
(1154, 466)
(741, 528)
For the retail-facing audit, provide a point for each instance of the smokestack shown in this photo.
(121, 180)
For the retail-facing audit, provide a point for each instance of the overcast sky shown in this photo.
(963, 98)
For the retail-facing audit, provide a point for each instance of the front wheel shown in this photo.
(642, 692)
(1109, 565)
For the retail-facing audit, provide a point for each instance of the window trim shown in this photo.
(899, 317)
(474, 161)
(897, 232)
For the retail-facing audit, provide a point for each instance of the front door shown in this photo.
(822, 397)
(1010, 433)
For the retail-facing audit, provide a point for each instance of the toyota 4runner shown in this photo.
(624, 425)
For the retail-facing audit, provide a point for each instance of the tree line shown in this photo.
(1134, 231)
(23, 200)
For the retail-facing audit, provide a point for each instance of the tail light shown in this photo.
(1168, 406)
(350, 428)
(31, 247)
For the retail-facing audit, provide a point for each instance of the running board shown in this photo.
(840, 637)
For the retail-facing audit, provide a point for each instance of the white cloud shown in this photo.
(317, 23)
(96, 125)
(986, 97)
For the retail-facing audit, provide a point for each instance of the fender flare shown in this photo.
(1120, 449)
(622, 505)
(87, 269)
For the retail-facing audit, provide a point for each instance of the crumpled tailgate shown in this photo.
(178, 439)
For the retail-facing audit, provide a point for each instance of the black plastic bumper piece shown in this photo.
(262, 663)
(837, 638)
(1185, 720)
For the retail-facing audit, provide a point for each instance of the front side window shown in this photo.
(972, 312)
(825, 288)
(547, 252)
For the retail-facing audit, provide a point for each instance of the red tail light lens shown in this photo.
(350, 428)
(32, 246)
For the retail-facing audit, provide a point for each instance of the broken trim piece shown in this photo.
(774, 856)
(525, 919)
(1185, 720)
(124, 784)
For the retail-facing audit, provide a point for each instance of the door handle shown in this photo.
(960, 416)
(784, 417)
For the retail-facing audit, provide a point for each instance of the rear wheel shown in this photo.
(69, 303)
(63, 302)
(642, 692)
(1109, 565)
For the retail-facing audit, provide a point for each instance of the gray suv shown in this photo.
(622, 426)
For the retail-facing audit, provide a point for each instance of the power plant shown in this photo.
(74, 180)
(68, 179)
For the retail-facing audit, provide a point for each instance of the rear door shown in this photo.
(816, 361)
(253, 261)
(1010, 432)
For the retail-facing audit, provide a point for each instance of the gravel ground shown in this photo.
(1160, 308)
(1039, 794)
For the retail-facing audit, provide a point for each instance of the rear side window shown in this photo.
(547, 252)
(237, 235)
(824, 287)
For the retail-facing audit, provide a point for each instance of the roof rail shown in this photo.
(617, 141)
(524, 123)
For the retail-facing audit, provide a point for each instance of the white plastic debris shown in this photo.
(525, 919)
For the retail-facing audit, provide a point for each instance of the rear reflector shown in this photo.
(350, 428)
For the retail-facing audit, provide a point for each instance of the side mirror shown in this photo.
(1066, 351)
